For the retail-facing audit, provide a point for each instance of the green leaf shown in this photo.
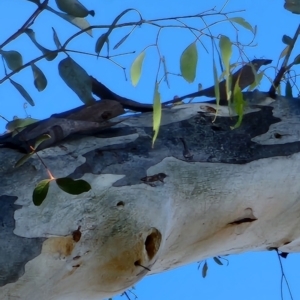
(81, 23)
(136, 68)
(40, 192)
(74, 8)
(216, 259)
(22, 91)
(100, 42)
(188, 62)
(226, 51)
(12, 58)
(37, 2)
(50, 55)
(258, 78)
(239, 103)
(56, 39)
(288, 89)
(217, 88)
(40, 80)
(287, 40)
(242, 22)
(292, 6)
(77, 79)
(204, 270)
(284, 52)
(122, 40)
(156, 113)
(73, 187)
(23, 159)
(41, 139)
(19, 123)
(297, 60)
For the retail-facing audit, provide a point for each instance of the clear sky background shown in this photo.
(249, 276)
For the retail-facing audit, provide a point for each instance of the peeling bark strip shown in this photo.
(205, 206)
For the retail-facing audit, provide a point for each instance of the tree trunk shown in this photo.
(203, 190)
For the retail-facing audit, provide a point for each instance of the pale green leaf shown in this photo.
(23, 159)
(19, 123)
(156, 113)
(22, 91)
(239, 103)
(284, 52)
(81, 23)
(40, 192)
(242, 22)
(40, 80)
(77, 79)
(258, 77)
(41, 139)
(226, 51)
(12, 58)
(74, 8)
(136, 68)
(217, 89)
(188, 62)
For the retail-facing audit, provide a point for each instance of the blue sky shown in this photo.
(248, 276)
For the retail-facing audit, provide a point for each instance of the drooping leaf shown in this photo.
(22, 91)
(217, 89)
(284, 52)
(19, 123)
(136, 68)
(40, 192)
(239, 103)
(242, 22)
(40, 80)
(12, 58)
(23, 159)
(156, 113)
(77, 79)
(100, 43)
(56, 39)
(121, 41)
(74, 8)
(81, 23)
(217, 260)
(258, 77)
(188, 62)
(41, 139)
(287, 40)
(73, 187)
(288, 89)
(226, 51)
(50, 55)
(204, 270)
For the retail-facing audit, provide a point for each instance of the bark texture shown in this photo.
(204, 190)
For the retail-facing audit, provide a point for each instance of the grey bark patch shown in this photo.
(15, 251)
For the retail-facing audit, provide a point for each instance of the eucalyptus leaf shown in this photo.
(40, 80)
(81, 23)
(242, 22)
(22, 91)
(288, 89)
(204, 270)
(226, 51)
(56, 39)
(297, 60)
(74, 8)
(77, 79)
(136, 68)
(23, 159)
(41, 139)
(12, 58)
(287, 40)
(19, 123)
(121, 41)
(40, 192)
(156, 113)
(50, 55)
(73, 187)
(100, 42)
(188, 62)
